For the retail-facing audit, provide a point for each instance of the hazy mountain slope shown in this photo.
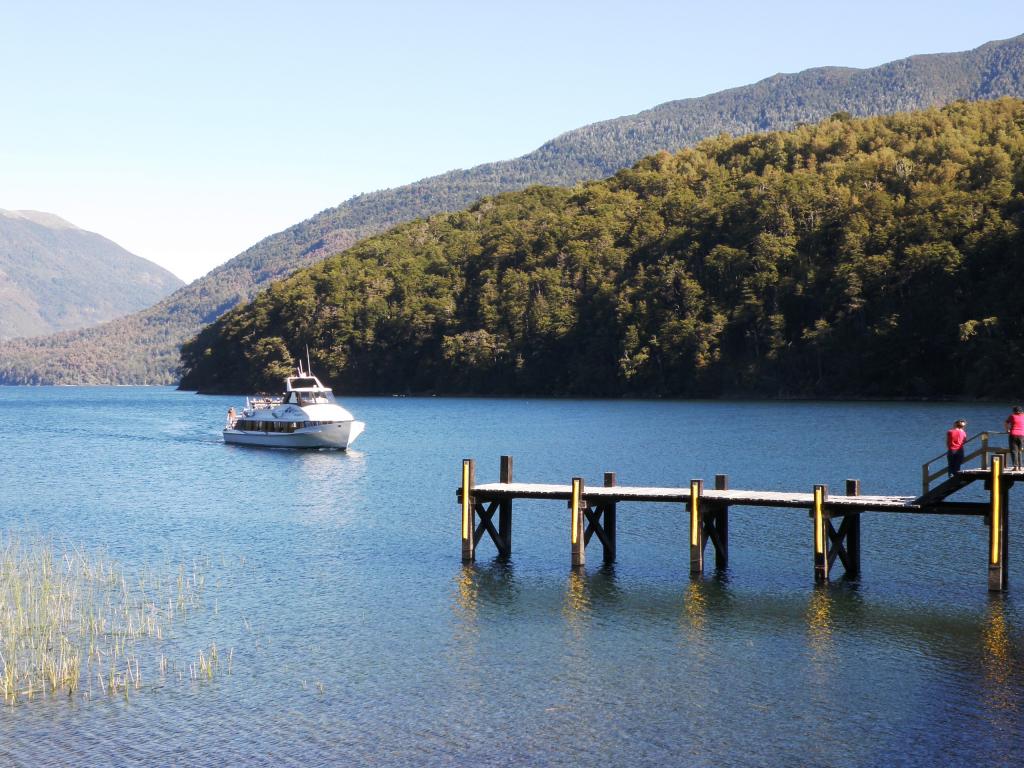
(55, 276)
(141, 348)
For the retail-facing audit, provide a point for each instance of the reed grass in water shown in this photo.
(71, 622)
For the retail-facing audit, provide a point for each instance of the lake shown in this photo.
(357, 636)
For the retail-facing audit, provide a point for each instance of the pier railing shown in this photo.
(982, 447)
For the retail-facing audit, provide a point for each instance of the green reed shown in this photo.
(69, 619)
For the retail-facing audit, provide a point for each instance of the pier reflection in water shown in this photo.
(1003, 678)
(707, 650)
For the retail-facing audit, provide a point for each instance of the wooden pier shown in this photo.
(835, 519)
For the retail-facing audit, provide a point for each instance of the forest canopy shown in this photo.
(872, 257)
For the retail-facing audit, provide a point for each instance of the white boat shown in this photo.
(306, 416)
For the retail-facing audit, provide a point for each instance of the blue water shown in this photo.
(359, 638)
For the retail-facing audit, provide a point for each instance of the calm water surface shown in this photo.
(360, 639)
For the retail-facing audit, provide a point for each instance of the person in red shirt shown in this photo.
(1015, 426)
(955, 439)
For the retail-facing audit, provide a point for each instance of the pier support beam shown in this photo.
(719, 532)
(600, 519)
(998, 544)
(505, 511)
(468, 511)
(851, 524)
(478, 518)
(697, 535)
(830, 543)
(709, 521)
(577, 514)
(821, 538)
(609, 522)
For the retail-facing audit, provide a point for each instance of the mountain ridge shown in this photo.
(586, 153)
(51, 220)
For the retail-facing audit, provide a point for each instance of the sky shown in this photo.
(188, 131)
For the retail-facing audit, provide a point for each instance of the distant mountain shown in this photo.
(55, 276)
(142, 348)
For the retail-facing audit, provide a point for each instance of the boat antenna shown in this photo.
(309, 368)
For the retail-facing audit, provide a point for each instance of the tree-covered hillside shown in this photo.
(143, 348)
(876, 257)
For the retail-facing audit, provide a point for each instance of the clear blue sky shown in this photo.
(187, 131)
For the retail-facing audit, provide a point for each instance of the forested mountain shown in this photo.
(55, 276)
(872, 257)
(142, 348)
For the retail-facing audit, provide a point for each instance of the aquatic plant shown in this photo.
(68, 618)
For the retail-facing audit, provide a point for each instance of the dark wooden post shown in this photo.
(997, 538)
(852, 522)
(576, 517)
(468, 511)
(722, 524)
(609, 521)
(696, 528)
(505, 510)
(820, 533)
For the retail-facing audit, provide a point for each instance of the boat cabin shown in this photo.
(306, 390)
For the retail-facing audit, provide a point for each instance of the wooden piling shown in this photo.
(852, 525)
(997, 521)
(609, 521)
(722, 525)
(820, 534)
(505, 511)
(576, 516)
(468, 511)
(696, 528)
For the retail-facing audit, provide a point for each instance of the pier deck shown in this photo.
(679, 495)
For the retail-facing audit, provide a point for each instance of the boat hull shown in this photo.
(338, 436)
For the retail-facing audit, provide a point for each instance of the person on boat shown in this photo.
(231, 416)
(1015, 426)
(955, 439)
